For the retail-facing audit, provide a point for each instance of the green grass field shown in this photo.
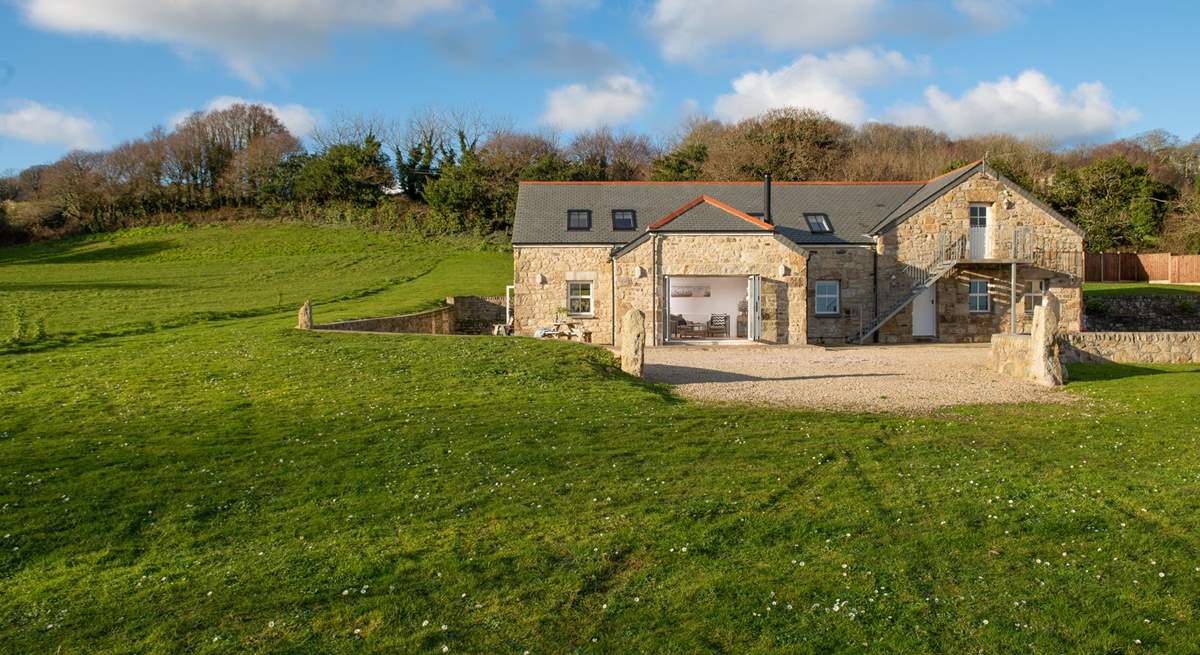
(1096, 289)
(218, 484)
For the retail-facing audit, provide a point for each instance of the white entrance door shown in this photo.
(925, 314)
(980, 222)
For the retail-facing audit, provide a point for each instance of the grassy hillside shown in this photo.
(148, 278)
(237, 486)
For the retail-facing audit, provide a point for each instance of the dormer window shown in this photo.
(624, 219)
(818, 223)
(579, 219)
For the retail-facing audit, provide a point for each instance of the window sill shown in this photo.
(828, 315)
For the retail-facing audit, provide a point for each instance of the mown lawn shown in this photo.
(1098, 289)
(150, 278)
(234, 485)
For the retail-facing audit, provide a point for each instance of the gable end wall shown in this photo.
(917, 239)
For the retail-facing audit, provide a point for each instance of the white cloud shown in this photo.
(830, 84)
(1029, 105)
(298, 119)
(252, 36)
(688, 29)
(612, 100)
(27, 120)
(989, 15)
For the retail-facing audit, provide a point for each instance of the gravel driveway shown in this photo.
(906, 379)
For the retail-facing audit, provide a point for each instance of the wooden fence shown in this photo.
(1141, 267)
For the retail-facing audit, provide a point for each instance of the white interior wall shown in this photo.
(727, 292)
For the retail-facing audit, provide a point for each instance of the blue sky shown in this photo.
(91, 73)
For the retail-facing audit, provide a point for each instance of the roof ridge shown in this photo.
(704, 198)
(732, 182)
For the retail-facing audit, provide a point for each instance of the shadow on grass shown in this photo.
(1114, 371)
(693, 375)
(89, 253)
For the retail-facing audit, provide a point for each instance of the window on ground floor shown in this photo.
(579, 298)
(979, 298)
(1035, 291)
(828, 297)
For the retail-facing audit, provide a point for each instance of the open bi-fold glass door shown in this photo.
(765, 300)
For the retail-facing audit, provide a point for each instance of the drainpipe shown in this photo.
(655, 318)
(612, 300)
(875, 289)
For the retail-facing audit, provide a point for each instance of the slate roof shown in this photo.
(707, 214)
(853, 208)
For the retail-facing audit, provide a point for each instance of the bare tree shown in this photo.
(347, 127)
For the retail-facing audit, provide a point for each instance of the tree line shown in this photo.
(450, 172)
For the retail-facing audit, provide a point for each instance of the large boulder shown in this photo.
(305, 316)
(633, 342)
(1045, 364)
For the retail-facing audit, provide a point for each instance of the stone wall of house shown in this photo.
(1143, 313)
(476, 314)
(1010, 354)
(540, 276)
(781, 265)
(434, 321)
(1131, 347)
(917, 240)
(955, 322)
(853, 269)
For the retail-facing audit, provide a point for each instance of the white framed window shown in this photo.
(979, 299)
(1035, 291)
(828, 300)
(818, 223)
(579, 298)
(979, 215)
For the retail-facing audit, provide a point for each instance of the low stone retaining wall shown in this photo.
(1131, 347)
(476, 314)
(1143, 313)
(461, 315)
(1010, 354)
(434, 321)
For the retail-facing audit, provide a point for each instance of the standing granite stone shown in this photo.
(633, 342)
(305, 316)
(1045, 365)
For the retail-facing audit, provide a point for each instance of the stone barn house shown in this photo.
(954, 259)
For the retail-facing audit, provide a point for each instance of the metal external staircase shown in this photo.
(948, 254)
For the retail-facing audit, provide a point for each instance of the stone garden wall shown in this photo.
(461, 315)
(1143, 313)
(1131, 347)
(1010, 354)
(476, 314)
(434, 321)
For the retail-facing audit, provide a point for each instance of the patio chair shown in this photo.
(718, 326)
